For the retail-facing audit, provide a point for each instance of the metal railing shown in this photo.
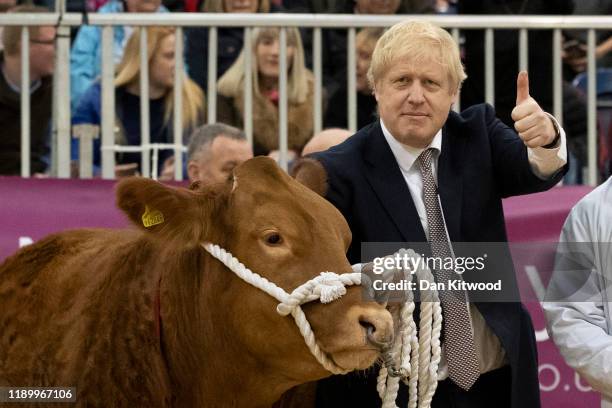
(61, 117)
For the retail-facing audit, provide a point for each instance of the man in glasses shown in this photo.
(41, 49)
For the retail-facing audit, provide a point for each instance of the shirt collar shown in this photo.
(406, 155)
(17, 88)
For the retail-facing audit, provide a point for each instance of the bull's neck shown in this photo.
(208, 367)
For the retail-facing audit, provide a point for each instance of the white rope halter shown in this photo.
(418, 357)
(327, 287)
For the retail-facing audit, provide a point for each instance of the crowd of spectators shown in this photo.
(85, 70)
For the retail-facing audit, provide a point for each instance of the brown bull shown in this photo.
(146, 317)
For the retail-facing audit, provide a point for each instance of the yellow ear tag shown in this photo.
(152, 217)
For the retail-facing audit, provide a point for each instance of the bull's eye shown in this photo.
(273, 238)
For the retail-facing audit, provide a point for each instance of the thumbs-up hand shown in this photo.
(533, 125)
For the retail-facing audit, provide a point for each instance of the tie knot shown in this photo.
(425, 159)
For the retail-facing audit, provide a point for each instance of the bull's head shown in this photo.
(281, 230)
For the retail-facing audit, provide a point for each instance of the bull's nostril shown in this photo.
(370, 328)
(375, 337)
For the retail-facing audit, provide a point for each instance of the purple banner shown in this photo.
(33, 208)
(538, 218)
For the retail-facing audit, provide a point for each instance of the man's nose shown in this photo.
(416, 94)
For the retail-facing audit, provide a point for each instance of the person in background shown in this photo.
(86, 53)
(335, 116)
(385, 6)
(42, 64)
(446, 6)
(5, 6)
(213, 152)
(229, 39)
(578, 303)
(326, 139)
(161, 57)
(575, 49)
(265, 77)
(336, 40)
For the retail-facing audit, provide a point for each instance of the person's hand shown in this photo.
(533, 125)
(167, 172)
(125, 170)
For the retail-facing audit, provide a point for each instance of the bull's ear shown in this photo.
(167, 212)
(312, 174)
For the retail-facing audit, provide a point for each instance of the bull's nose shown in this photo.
(378, 325)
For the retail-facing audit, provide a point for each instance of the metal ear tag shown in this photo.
(152, 217)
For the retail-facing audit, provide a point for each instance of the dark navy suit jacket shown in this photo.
(481, 162)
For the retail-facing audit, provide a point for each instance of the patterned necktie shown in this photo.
(458, 337)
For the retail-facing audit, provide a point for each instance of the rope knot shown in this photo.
(329, 287)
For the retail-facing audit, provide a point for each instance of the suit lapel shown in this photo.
(385, 177)
(450, 179)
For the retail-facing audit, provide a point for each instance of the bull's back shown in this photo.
(49, 292)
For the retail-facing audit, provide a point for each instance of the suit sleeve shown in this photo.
(513, 172)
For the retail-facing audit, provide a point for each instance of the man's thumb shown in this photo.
(522, 87)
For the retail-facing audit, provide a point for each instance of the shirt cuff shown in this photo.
(545, 162)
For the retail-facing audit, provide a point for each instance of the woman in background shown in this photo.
(161, 58)
(229, 39)
(265, 75)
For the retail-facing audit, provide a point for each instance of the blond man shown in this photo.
(423, 173)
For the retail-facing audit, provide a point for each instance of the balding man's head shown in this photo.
(325, 139)
(214, 151)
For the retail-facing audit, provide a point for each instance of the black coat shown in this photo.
(482, 161)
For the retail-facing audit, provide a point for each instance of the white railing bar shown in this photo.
(143, 148)
(352, 82)
(108, 103)
(86, 133)
(532, 22)
(523, 50)
(248, 84)
(212, 75)
(557, 76)
(318, 75)
(145, 124)
(25, 102)
(282, 100)
(179, 72)
(154, 164)
(489, 67)
(63, 118)
(591, 110)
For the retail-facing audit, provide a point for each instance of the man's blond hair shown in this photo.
(417, 41)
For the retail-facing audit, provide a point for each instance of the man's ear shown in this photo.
(168, 213)
(312, 174)
(193, 171)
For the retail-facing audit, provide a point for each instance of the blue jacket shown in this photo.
(86, 53)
